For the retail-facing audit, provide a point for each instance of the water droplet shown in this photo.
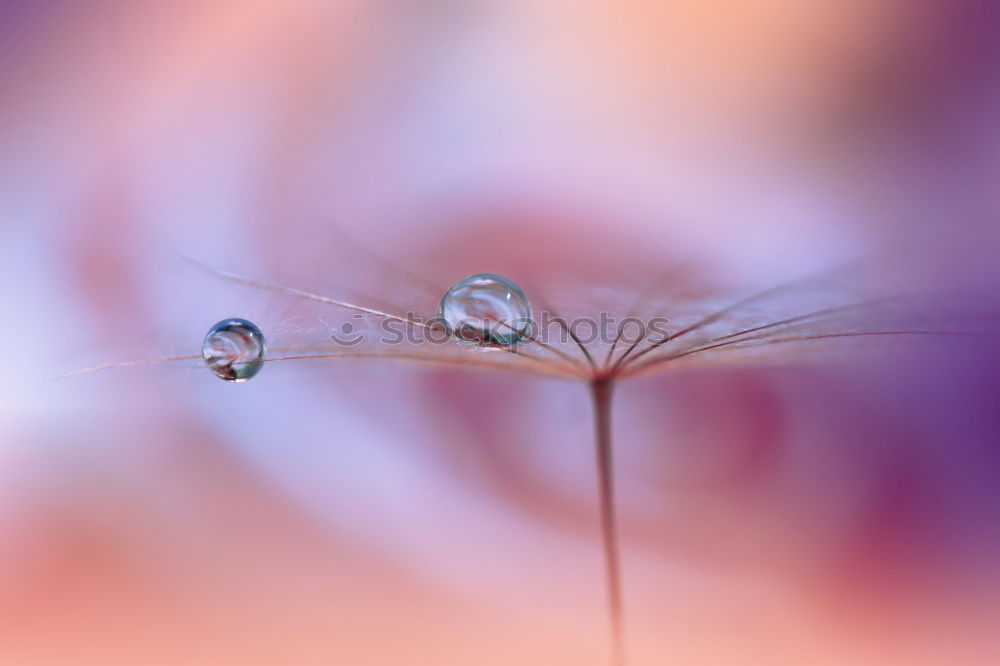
(486, 310)
(233, 349)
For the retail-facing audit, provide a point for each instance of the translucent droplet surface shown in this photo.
(486, 310)
(234, 350)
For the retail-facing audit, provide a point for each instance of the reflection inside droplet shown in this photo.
(234, 350)
(486, 310)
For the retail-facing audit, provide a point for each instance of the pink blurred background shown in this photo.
(377, 513)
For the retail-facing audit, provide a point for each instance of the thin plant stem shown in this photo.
(601, 391)
(719, 314)
(125, 364)
(762, 341)
(541, 368)
(614, 344)
(576, 339)
(573, 363)
(280, 289)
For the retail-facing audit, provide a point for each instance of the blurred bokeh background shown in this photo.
(376, 513)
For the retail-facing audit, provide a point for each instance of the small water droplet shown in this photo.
(486, 310)
(233, 349)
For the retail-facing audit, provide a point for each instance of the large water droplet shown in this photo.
(234, 350)
(486, 310)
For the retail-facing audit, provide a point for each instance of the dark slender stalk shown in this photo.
(601, 390)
